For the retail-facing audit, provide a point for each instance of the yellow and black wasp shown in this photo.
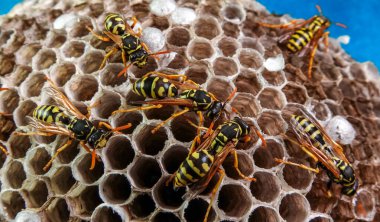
(328, 154)
(67, 120)
(204, 162)
(127, 40)
(305, 35)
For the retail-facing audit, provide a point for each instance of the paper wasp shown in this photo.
(67, 120)
(204, 162)
(305, 35)
(127, 40)
(315, 142)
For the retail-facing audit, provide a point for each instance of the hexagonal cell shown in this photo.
(182, 130)
(166, 197)
(263, 213)
(273, 78)
(7, 63)
(90, 62)
(178, 36)
(15, 168)
(58, 210)
(73, 49)
(331, 71)
(161, 113)
(165, 216)
(225, 66)
(145, 172)
(271, 98)
(230, 29)
(228, 46)
(295, 93)
(364, 205)
(20, 73)
(332, 91)
(198, 72)
(12, 203)
(134, 118)
(179, 62)
(357, 71)
(142, 206)
(245, 165)
(215, 86)
(35, 193)
(151, 144)
(320, 219)
(271, 123)
(18, 145)
(9, 101)
(119, 152)
(207, 27)
(83, 200)
(68, 154)
(252, 43)
(266, 188)
(44, 59)
(25, 54)
(294, 203)
(173, 158)
(196, 211)
(115, 188)
(233, 13)
(342, 211)
(264, 156)
(149, 67)
(108, 76)
(37, 160)
(246, 104)
(62, 73)
(228, 195)
(297, 177)
(79, 27)
(32, 85)
(55, 39)
(82, 170)
(82, 88)
(248, 82)
(321, 110)
(160, 22)
(62, 180)
(250, 58)
(106, 104)
(200, 49)
(106, 214)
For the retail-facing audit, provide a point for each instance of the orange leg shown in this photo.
(137, 109)
(124, 71)
(170, 179)
(236, 166)
(168, 119)
(1, 89)
(291, 25)
(2, 148)
(116, 129)
(326, 40)
(103, 38)
(263, 141)
(33, 134)
(46, 167)
(213, 192)
(314, 50)
(93, 154)
(112, 51)
(316, 170)
(5, 114)
(90, 107)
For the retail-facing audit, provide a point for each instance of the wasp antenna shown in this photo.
(341, 25)
(319, 9)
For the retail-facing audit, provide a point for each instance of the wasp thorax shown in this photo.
(214, 110)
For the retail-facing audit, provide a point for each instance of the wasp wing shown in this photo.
(49, 128)
(168, 101)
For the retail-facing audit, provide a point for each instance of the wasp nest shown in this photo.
(215, 43)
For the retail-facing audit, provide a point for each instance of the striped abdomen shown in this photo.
(193, 168)
(154, 87)
(51, 114)
(202, 99)
(299, 39)
(115, 24)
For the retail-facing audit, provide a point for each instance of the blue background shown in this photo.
(361, 17)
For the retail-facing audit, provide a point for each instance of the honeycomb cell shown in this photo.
(230, 192)
(291, 203)
(145, 172)
(62, 180)
(297, 177)
(246, 104)
(214, 86)
(228, 46)
(73, 49)
(263, 213)
(266, 188)
(252, 43)
(106, 104)
(230, 29)
(160, 22)
(25, 54)
(182, 130)
(245, 165)
(165, 216)
(357, 72)
(207, 27)
(62, 73)
(9, 101)
(364, 205)
(173, 158)
(178, 36)
(68, 154)
(18, 145)
(271, 123)
(82, 170)
(106, 213)
(179, 62)
(274, 78)
(320, 219)
(55, 39)
(149, 67)
(15, 168)
(151, 144)
(332, 91)
(200, 49)
(295, 93)
(58, 210)
(37, 160)
(44, 59)
(233, 13)
(78, 29)
(160, 114)
(115, 188)
(118, 153)
(142, 206)
(24, 111)
(7, 64)
(32, 85)
(198, 72)
(196, 211)
(20, 73)
(133, 118)
(225, 66)
(90, 62)
(250, 58)
(82, 88)
(321, 110)
(12, 203)
(248, 82)
(35, 193)
(166, 197)
(84, 200)
(264, 156)
(271, 98)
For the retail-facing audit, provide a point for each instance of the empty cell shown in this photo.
(273, 78)
(225, 66)
(12, 203)
(331, 71)
(271, 123)
(90, 62)
(62, 73)
(178, 36)
(245, 166)
(228, 46)
(198, 72)
(142, 206)
(134, 118)
(266, 187)
(364, 205)
(9, 101)
(252, 43)
(295, 93)
(115, 188)
(264, 156)
(173, 158)
(179, 62)
(196, 211)
(291, 203)
(233, 13)
(263, 213)
(145, 172)
(271, 98)
(200, 49)
(320, 219)
(37, 160)
(166, 197)
(220, 88)
(150, 66)
(119, 152)
(55, 39)
(68, 154)
(82, 88)
(207, 27)
(44, 59)
(74, 49)
(160, 22)
(15, 168)
(25, 54)
(229, 195)
(86, 198)
(332, 91)
(250, 58)
(106, 104)
(165, 216)
(7, 63)
(35, 193)
(18, 145)
(230, 29)
(58, 210)
(160, 114)
(78, 29)
(182, 130)
(357, 71)
(321, 110)
(32, 85)
(246, 104)
(82, 170)
(248, 82)
(297, 177)
(20, 73)
(62, 180)
(151, 144)
(106, 214)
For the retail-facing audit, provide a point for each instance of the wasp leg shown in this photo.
(123, 57)
(124, 71)
(139, 33)
(213, 192)
(116, 129)
(326, 40)
(263, 141)
(170, 179)
(137, 109)
(1, 89)
(168, 119)
(312, 54)
(112, 51)
(154, 55)
(5, 114)
(33, 133)
(2, 148)
(103, 38)
(236, 166)
(69, 141)
(93, 154)
(315, 170)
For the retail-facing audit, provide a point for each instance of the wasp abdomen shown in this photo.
(115, 24)
(51, 114)
(155, 87)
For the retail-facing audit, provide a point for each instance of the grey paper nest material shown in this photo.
(217, 44)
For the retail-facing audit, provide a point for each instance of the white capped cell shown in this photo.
(154, 38)
(183, 16)
(340, 130)
(27, 216)
(162, 7)
(275, 64)
(65, 21)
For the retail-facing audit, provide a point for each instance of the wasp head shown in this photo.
(99, 138)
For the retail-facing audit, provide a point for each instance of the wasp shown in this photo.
(328, 154)
(127, 40)
(67, 120)
(305, 35)
(204, 162)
